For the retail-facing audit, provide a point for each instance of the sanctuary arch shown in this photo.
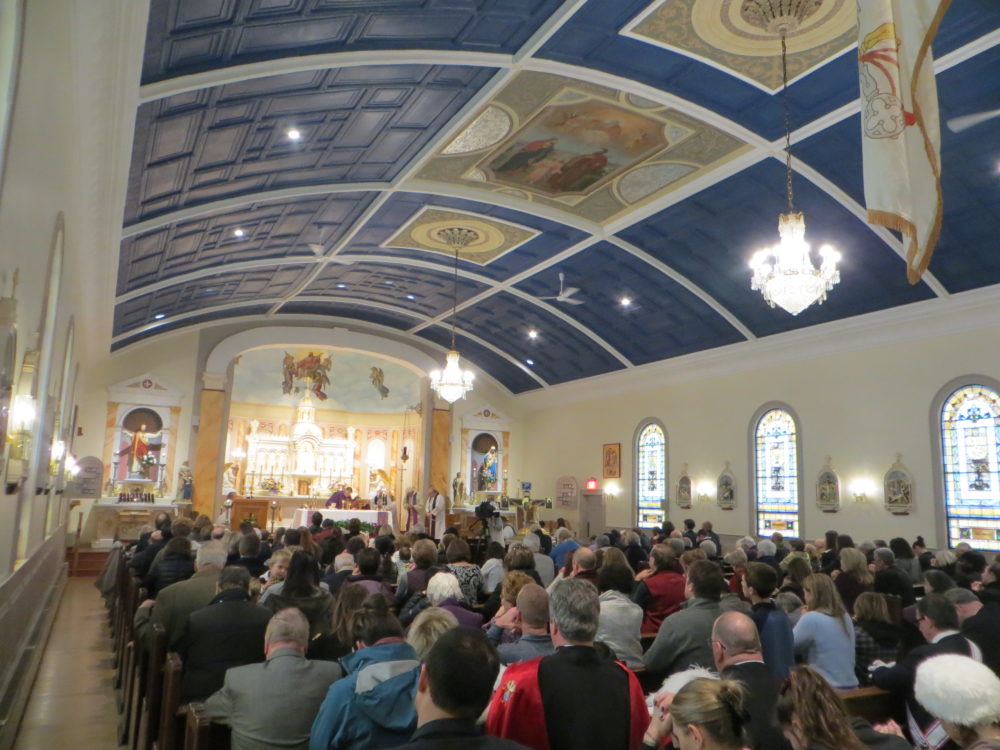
(298, 443)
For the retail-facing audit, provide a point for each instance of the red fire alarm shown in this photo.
(592, 484)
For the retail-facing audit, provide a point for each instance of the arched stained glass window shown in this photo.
(651, 476)
(776, 462)
(970, 434)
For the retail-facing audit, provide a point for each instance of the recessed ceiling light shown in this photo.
(532, 334)
(341, 286)
(410, 296)
(390, 283)
(625, 301)
(159, 316)
(293, 134)
(530, 362)
(238, 232)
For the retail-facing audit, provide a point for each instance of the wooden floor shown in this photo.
(72, 703)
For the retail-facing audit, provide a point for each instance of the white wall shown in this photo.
(860, 407)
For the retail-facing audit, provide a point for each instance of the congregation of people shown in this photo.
(328, 637)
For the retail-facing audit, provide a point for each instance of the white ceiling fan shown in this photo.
(958, 124)
(565, 294)
(318, 250)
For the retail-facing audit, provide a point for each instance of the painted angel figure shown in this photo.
(378, 380)
(288, 373)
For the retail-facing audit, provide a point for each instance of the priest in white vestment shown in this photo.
(435, 509)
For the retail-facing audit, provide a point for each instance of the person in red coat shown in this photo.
(660, 589)
(574, 699)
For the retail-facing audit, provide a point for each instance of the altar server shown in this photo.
(435, 509)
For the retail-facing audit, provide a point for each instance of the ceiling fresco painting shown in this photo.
(584, 148)
(611, 165)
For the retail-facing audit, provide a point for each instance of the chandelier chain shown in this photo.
(788, 123)
(454, 300)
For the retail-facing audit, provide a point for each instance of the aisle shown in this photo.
(72, 703)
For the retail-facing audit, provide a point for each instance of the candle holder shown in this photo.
(274, 513)
(229, 510)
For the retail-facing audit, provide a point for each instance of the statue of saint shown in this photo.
(185, 481)
(488, 471)
(458, 489)
(138, 451)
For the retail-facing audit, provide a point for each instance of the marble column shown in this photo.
(441, 450)
(209, 443)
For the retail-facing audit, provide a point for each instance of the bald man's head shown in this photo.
(737, 634)
(584, 559)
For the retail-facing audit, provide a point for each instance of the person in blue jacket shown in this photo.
(372, 707)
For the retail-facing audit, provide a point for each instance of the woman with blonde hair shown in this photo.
(813, 717)
(824, 635)
(709, 715)
(610, 556)
(425, 630)
(853, 578)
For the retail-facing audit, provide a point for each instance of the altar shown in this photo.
(303, 516)
(125, 521)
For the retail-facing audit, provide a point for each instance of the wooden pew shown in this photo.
(150, 691)
(132, 668)
(871, 703)
(130, 597)
(201, 733)
(171, 725)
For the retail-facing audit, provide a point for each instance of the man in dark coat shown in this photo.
(454, 687)
(937, 620)
(250, 555)
(980, 624)
(229, 632)
(891, 579)
(738, 656)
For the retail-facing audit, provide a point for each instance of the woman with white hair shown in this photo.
(444, 591)
(964, 696)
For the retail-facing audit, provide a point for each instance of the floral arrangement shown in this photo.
(366, 527)
(148, 459)
(270, 484)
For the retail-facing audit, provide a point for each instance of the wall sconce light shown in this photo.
(72, 467)
(22, 420)
(592, 484)
(22, 413)
(862, 488)
(58, 450)
(704, 491)
(611, 489)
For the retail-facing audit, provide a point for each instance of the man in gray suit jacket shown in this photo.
(684, 637)
(272, 705)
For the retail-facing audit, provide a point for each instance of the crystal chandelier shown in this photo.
(453, 382)
(785, 274)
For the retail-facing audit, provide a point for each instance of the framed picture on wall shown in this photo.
(612, 460)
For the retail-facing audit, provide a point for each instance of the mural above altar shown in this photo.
(306, 422)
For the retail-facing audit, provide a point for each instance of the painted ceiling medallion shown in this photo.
(741, 35)
(778, 16)
(483, 238)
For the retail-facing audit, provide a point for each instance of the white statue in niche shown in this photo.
(305, 459)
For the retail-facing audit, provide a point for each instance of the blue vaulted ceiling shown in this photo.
(227, 217)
